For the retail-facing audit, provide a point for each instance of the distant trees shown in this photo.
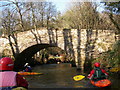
(111, 58)
(82, 14)
(22, 16)
(86, 15)
(29, 14)
(114, 15)
(9, 26)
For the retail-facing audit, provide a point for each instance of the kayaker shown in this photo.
(97, 73)
(10, 79)
(27, 68)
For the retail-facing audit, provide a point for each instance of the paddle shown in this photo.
(78, 77)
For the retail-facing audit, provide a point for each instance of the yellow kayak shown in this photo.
(78, 77)
(29, 73)
(116, 69)
(19, 88)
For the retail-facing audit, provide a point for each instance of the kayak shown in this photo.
(12, 88)
(78, 77)
(29, 73)
(116, 69)
(19, 88)
(101, 83)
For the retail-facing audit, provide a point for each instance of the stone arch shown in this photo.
(27, 54)
(56, 55)
(23, 46)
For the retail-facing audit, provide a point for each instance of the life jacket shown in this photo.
(8, 79)
(28, 69)
(98, 74)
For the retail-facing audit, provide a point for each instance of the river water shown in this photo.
(60, 76)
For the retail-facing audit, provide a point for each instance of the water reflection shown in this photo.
(56, 76)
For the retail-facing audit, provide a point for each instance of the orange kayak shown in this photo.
(29, 73)
(101, 83)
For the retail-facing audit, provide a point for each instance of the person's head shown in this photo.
(6, 63)
(97, 64)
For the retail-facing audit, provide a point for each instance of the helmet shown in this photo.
(6, 63)
(97, 64)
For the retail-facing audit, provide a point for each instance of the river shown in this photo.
(60, 76)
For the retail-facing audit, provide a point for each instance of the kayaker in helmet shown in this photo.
(97, 73)
(27, 68)
(8, 78)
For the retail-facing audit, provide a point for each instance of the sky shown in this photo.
(64, 5)
(61, 6)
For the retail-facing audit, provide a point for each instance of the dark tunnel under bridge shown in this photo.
(28, 53)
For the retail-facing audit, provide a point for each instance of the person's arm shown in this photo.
(21, 81)
(90, 76)
(104, 72)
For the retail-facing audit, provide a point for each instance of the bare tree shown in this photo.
(82, 15)
(50, 13)
(8, 24)
(18, 8)
(41, 7)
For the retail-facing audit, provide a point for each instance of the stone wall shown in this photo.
(79, 44)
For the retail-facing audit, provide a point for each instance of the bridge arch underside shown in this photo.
(27, 54)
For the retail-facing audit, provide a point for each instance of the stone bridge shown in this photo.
(80, 45)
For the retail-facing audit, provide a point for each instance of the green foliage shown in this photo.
(0, 32)
(113, 6)
(50, 51)
(102, 45)
(55, 50)
(111, 58)
(114, 11)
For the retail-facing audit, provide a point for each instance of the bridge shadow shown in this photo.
(79, 49)
(89, 48)
(68, 45)
(27, 54)
(52, 36)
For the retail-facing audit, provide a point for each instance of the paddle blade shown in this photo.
(78, 77)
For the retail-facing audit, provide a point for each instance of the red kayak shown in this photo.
(101, 83)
